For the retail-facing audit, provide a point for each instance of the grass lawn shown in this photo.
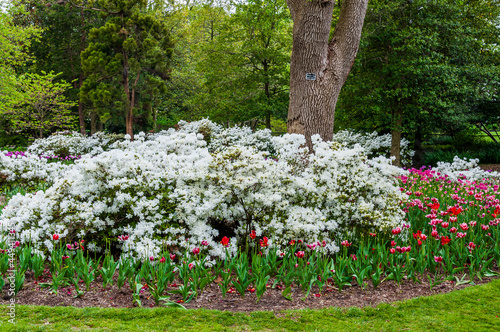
(472, 309)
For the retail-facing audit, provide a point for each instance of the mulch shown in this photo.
(211, 297)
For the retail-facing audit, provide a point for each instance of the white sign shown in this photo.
(311, 77)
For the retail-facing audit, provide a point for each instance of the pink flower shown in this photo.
(300, 254)
(464, 226)
(393, 243)
(438, 259)
(473, 223)
(453, 230)
(434, 233)
(172, 256)
(392, 250)
(354, 258)
(461, 235)
(346, 243)
(445, 224)
(312, 246)
(485, 227)
(423, 237)
(191, 265)
(123, 238)
(204, 243)
(471, 246)
(196, 251)
(296, 265)
(151, 258)
(55, 237)
(396, 231)
(162, 260)
(70, 246)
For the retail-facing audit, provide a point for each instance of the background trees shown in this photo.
(124, 57)
(423, 66)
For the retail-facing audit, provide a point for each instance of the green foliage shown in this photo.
(434, 61)
(42, 105)
(126, 60)
(15, 42)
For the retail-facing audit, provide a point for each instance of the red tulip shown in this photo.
(225, 241)
(55, 237)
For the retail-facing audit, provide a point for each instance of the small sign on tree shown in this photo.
(311, 77)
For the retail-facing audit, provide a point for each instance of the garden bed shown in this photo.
(272, 300)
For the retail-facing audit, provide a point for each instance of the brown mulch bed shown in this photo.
(211, 297)
(491, 167)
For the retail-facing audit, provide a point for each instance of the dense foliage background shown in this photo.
(426, 69)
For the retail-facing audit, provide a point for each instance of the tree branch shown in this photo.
(347, 34)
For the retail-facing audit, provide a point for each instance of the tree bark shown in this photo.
(312, 100)
(396, 136)
(93, 123)
(418, 157)
(80, 108)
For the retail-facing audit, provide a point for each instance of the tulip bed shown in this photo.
(451, 232)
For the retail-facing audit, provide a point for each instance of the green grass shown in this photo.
(472, 309)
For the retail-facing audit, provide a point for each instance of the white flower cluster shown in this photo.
(72, 144)
(374, 144)
(173, 188)
(463, 167)
(29, 168)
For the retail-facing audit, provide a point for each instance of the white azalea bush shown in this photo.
(173, 189)
(28, 169)
(65, 144)
(374, 144)
(463, 167)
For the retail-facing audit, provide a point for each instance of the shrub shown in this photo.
(173, 188)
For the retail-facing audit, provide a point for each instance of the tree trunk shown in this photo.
(396, 137)
(418, 157)
(319, 67)
(80, 108)
(93, 123)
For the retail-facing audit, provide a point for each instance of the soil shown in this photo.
(491, 167)
(211, 297)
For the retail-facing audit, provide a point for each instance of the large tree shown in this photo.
(320, 62)
(123, 57)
